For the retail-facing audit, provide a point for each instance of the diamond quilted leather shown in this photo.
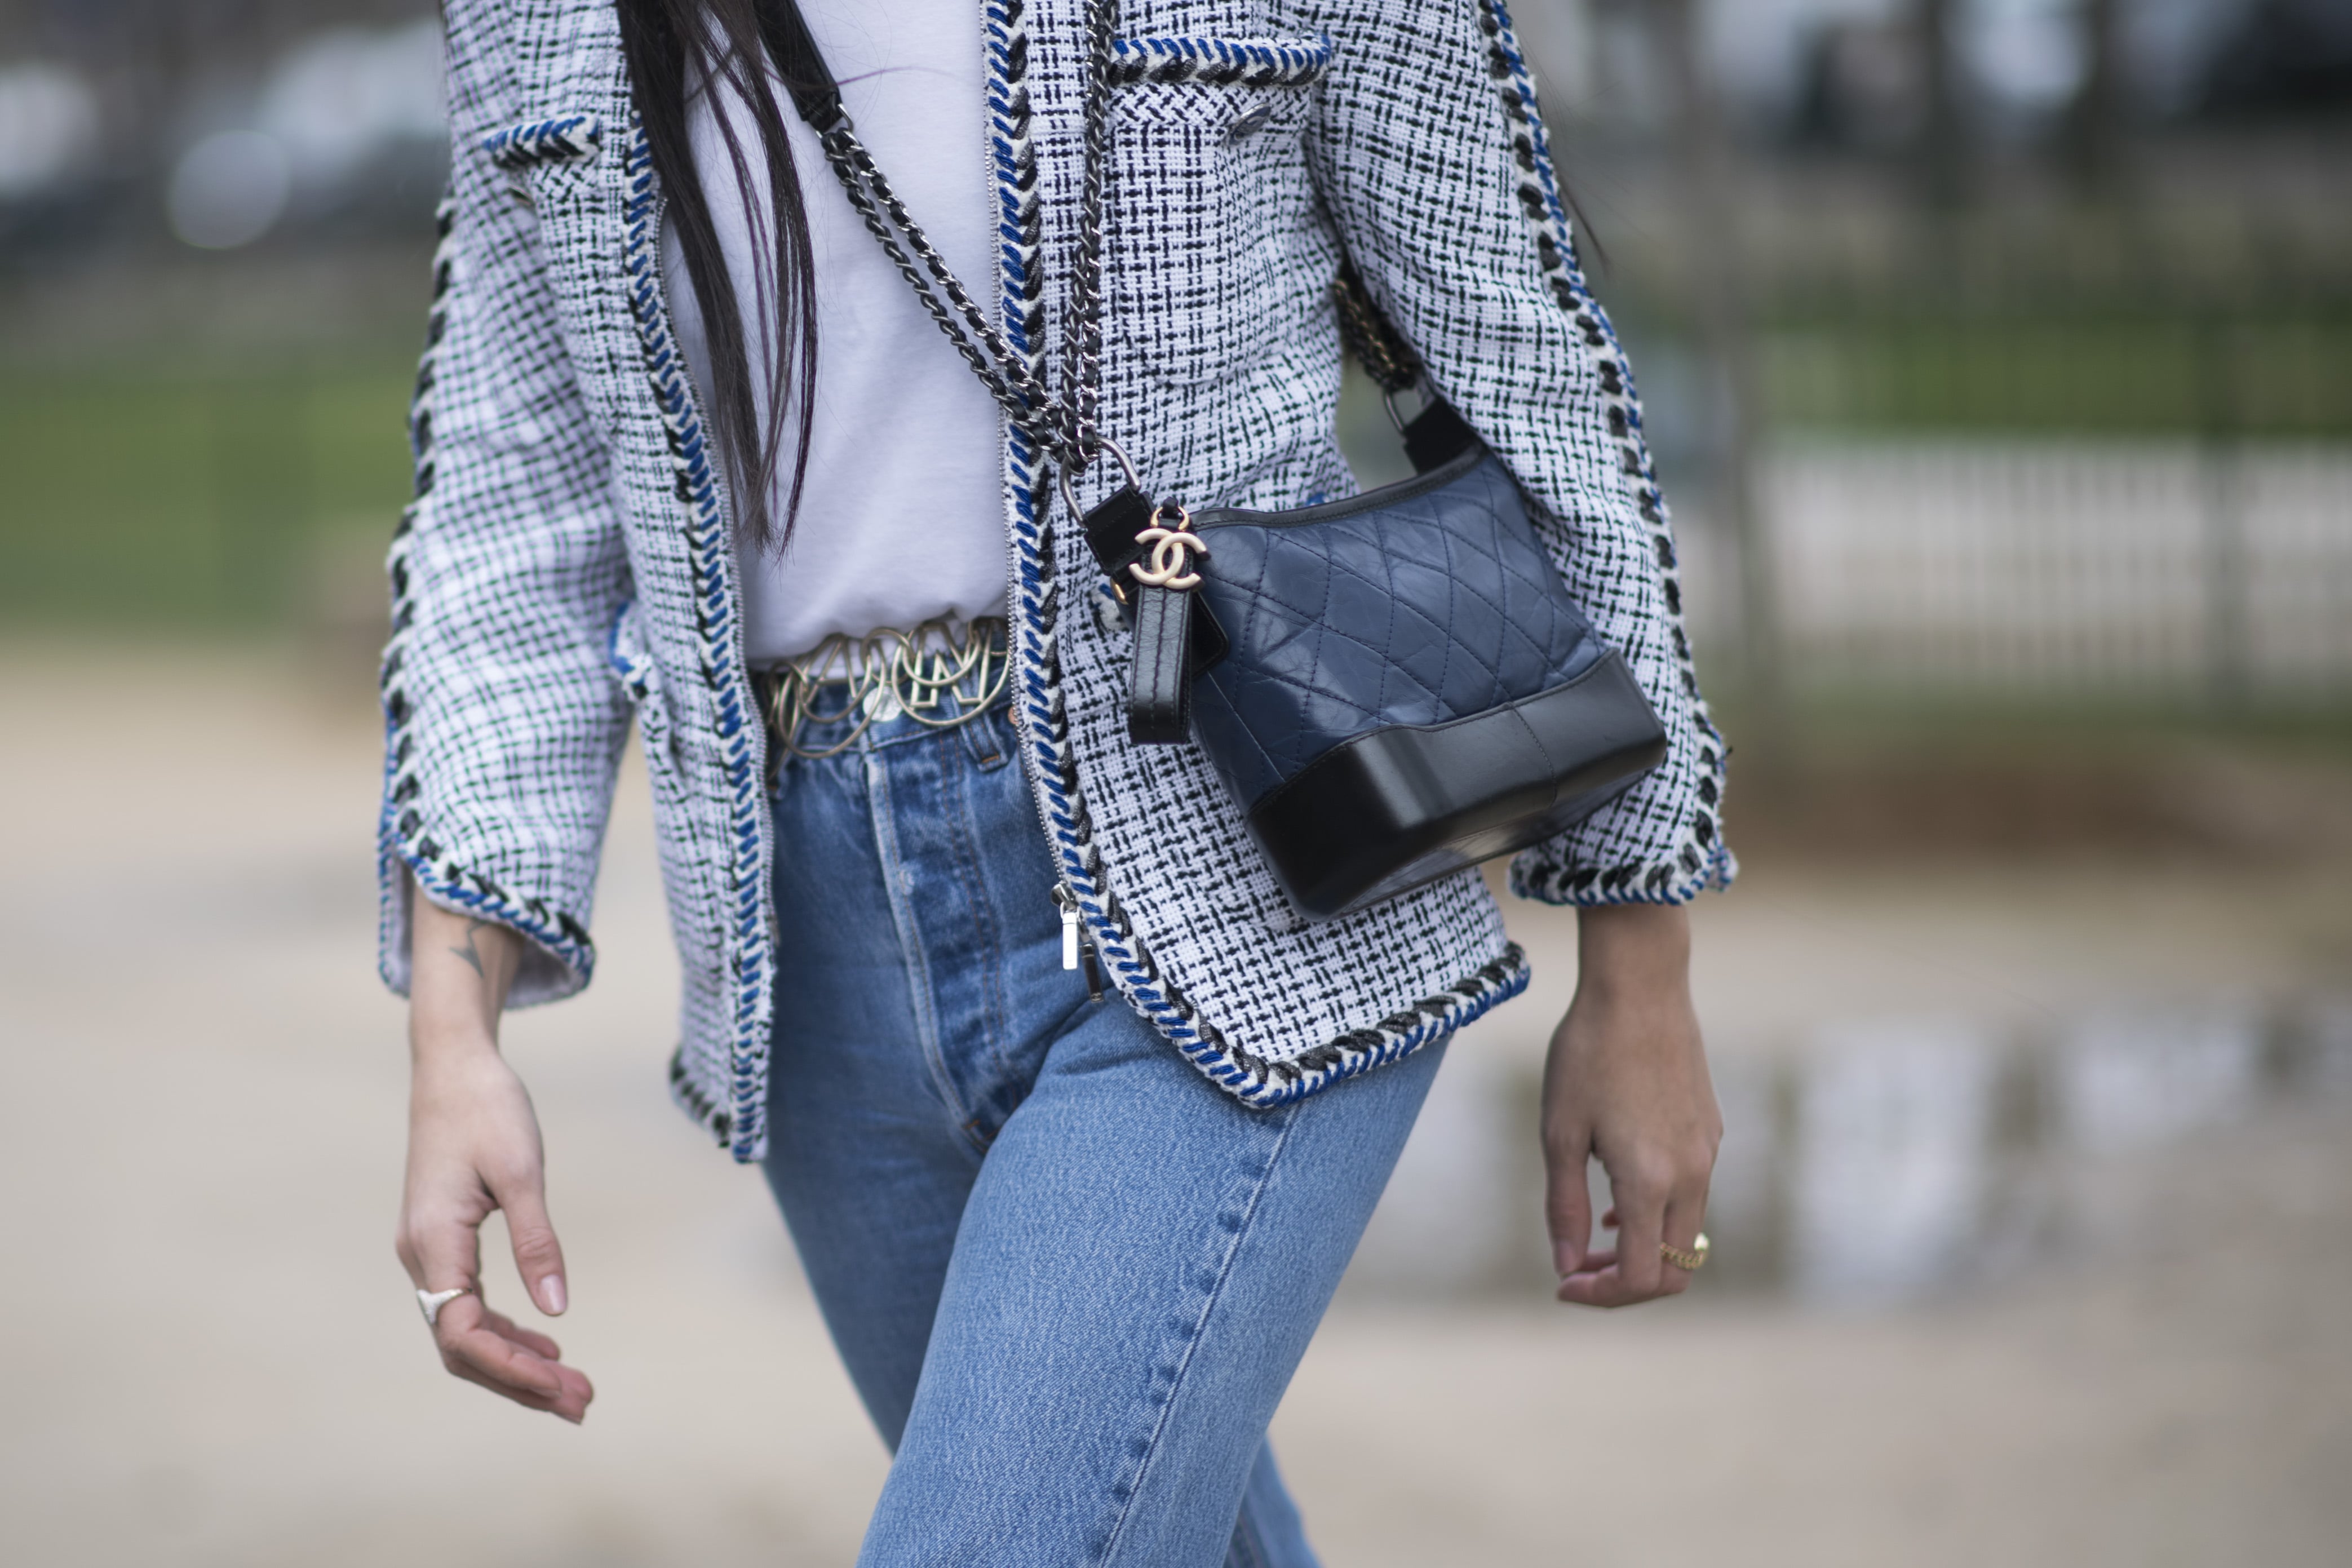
(1423, 603)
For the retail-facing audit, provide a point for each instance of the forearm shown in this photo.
(462, 969)
(1629, 951)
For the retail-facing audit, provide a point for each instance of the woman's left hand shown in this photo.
(1627, 1083)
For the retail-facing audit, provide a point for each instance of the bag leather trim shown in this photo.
(1454, 794)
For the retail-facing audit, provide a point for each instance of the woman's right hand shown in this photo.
(473, 1147)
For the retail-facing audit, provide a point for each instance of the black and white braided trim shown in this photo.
(689, 1097)
(1254, 1079)
(402, 842)
(1701, 860)
(572, 139)
(1019, 216)
(1245, 62)
(751, 961)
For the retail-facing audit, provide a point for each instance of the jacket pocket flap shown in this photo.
(1245, 62)
(568, 139)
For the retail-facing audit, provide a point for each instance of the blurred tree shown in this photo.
(2284, 57)
(2097, 122)
(1944, 144)
(148, 55)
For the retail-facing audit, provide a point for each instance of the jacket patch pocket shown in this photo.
(1207, 198)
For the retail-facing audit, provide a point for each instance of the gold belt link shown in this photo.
(960, 667)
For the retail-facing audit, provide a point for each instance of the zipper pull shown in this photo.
(1076, 943)
(1069, 908)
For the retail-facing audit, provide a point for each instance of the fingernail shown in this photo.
(1563, 1260)
(551, 1292)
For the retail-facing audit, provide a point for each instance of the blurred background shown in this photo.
(1998, 356)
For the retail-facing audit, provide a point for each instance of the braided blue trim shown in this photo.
(742, 1124)
(572, 139)
(402, 842)
(1249, 62)
(1020, 216)
(1704, 860)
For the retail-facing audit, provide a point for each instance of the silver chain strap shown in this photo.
(1082, 342)
(1067, 427)
(1023, 396)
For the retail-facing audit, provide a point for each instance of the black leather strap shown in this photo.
(815, 96)
(1176, 638)
(1159, 681)
(1111, 528)
(1436, 435)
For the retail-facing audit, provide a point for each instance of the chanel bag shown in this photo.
(1393, 687)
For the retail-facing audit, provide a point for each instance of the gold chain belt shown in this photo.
(943, 673)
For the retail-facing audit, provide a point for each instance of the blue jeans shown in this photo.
(1070, 1277)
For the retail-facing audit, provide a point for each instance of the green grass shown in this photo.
(1823, 720)
(190, 494)
(2119, 377)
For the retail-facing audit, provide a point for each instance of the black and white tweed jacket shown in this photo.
(567, 561)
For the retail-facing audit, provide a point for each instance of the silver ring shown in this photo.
(431, 1302)
(1062, 472)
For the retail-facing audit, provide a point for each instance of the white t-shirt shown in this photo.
(902, 515)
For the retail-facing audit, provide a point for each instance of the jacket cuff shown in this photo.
(1548, 875)
(558, 956)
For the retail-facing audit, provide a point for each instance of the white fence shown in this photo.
(2147, 567)
(1890, 1159)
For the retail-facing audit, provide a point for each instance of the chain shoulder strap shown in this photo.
(1386, 357)
(1064, 427)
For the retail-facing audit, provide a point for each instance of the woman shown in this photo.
(1074, 1121)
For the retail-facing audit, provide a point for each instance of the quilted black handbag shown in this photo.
(1393, 687)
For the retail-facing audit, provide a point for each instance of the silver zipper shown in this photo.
(1077, 946)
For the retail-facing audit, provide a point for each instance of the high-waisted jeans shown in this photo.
(1070, 1277)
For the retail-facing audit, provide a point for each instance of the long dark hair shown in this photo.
(717, 43)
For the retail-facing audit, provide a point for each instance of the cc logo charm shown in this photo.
(1171, 565)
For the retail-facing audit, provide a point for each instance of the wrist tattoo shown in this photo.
(469, 953)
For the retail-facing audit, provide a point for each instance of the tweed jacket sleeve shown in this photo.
(504, 719)
(1464, 239)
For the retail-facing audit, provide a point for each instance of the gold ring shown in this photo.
(1690, 1261)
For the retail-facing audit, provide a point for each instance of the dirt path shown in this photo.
(212, 1358)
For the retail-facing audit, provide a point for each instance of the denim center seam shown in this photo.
(880, 810)
(982, 1117)
(1192, 1336)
